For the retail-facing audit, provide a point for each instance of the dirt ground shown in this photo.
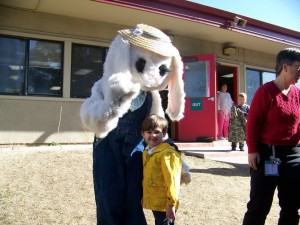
(55, 187)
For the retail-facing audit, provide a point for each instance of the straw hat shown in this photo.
(149, 38)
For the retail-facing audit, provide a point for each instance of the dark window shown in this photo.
(30, 67)
(12, 66)
(45, 68)
(254, 79)
(87, 68)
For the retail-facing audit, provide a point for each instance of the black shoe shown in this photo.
(241, 149)
(233, 149)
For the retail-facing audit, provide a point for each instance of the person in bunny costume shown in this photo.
(140, 62)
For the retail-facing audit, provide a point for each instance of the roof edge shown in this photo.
(208, 15)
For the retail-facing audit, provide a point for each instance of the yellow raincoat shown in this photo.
(161, 181)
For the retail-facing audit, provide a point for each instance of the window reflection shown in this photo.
(268, 76)
(254, 79)
(196, 79)
(298, 84)
(32, 70)
(87, 68)
(45, 70)
(12, 64)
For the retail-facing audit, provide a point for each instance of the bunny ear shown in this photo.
(176, 95)
(117, 59)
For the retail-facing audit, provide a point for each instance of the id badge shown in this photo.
(271, 168)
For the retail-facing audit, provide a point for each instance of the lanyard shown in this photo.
(273, 158)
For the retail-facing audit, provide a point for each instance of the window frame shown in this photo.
(24, 88)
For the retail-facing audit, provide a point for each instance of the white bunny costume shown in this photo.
(122, 81)
(140, 62)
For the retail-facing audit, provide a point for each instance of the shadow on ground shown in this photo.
(241, 170)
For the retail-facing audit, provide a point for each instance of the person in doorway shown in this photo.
(224, 105)
(237, 122)
(273, 136)
(162, 171)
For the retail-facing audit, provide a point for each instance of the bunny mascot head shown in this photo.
(139, 60)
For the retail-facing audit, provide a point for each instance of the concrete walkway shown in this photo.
(217, 150)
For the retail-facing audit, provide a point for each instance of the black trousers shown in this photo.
(263, 187)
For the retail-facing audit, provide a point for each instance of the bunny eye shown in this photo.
(140, 65)
(163, 70)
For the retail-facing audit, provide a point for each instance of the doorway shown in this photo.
(202, 79)
(227, 74)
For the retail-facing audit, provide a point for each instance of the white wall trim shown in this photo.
(53, 36)
(38, 98)
(250, 66)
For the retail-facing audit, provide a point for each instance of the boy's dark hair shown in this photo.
(154, 121)
(287, 56)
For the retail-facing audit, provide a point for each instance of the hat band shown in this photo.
(140, 32)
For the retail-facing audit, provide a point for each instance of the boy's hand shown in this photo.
(170, 212)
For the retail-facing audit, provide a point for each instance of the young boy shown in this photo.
(162, 171)
(238, 119)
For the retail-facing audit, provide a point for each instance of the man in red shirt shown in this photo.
(273, 135)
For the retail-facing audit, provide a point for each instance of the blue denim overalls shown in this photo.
(117, 176)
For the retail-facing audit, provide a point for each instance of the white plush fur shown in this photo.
(186, 177)
(112, 95)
